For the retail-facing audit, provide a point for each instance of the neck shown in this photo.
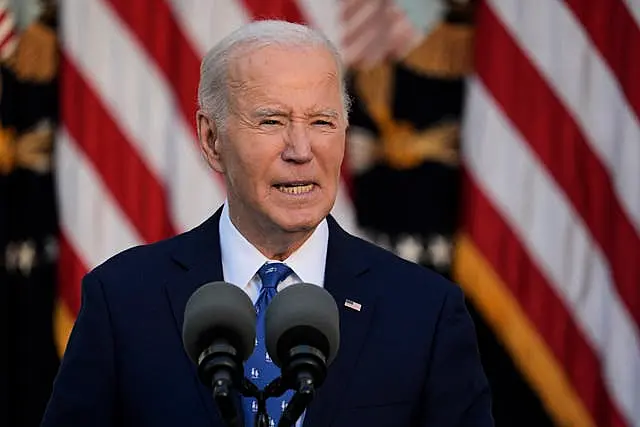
(272, 242)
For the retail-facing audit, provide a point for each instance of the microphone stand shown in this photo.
(275, 388)
(222, 394)
(249, 389)
(218, 366)
(304, 370)
(299, 401)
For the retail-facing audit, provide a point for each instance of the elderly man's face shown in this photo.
(284, 140)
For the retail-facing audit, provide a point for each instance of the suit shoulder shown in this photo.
(408, 276)
(140, 260)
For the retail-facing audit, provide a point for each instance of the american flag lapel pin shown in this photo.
(352, 305)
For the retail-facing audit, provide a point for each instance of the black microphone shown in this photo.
(302, 328)
(219, 334)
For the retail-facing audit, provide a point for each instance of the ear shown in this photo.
(209, 141)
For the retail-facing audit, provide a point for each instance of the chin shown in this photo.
(292, 221)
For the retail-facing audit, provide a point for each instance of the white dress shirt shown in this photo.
(241, 260)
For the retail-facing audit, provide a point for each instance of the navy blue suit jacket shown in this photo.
(408, 358)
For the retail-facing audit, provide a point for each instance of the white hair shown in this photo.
(213, 93)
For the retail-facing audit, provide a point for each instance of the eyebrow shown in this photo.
(277, 112)
(326, 113)
(269, 112)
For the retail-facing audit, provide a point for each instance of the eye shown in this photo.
(270, 122)
(323, 123)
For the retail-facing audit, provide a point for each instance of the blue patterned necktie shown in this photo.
(259, 368)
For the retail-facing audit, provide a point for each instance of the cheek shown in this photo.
(253, 160)
(333, 154)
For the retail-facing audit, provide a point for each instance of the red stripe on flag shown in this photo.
(71, 270)
(124, 172)
(349, 8)
(156, 28)
(508, 257)
(617, 36)
(374, 27)
(275, 9)
(552, 133)
(7, 39)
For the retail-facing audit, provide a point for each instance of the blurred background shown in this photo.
(496, 141)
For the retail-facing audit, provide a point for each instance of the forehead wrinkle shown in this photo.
(248, 73)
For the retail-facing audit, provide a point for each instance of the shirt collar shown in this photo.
(241, 260)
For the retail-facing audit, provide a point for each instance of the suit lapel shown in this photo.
(346, 279)
(199, 257)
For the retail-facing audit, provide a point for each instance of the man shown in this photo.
(272, 121)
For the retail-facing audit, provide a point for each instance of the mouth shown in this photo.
(296, 188)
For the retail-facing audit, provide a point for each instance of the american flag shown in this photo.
(550, 247)
(353, 305)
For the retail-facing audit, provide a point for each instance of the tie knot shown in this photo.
(273, 273)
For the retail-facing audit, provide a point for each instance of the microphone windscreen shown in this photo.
(302, 314)
(219, 310)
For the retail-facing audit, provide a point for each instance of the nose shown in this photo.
(298, 144)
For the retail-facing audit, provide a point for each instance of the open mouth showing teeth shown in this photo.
(295, 188)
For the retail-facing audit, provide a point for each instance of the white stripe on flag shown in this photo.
(90, 218)
(634, 9)
(323, 15)
(579, 76)
(206, 22)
